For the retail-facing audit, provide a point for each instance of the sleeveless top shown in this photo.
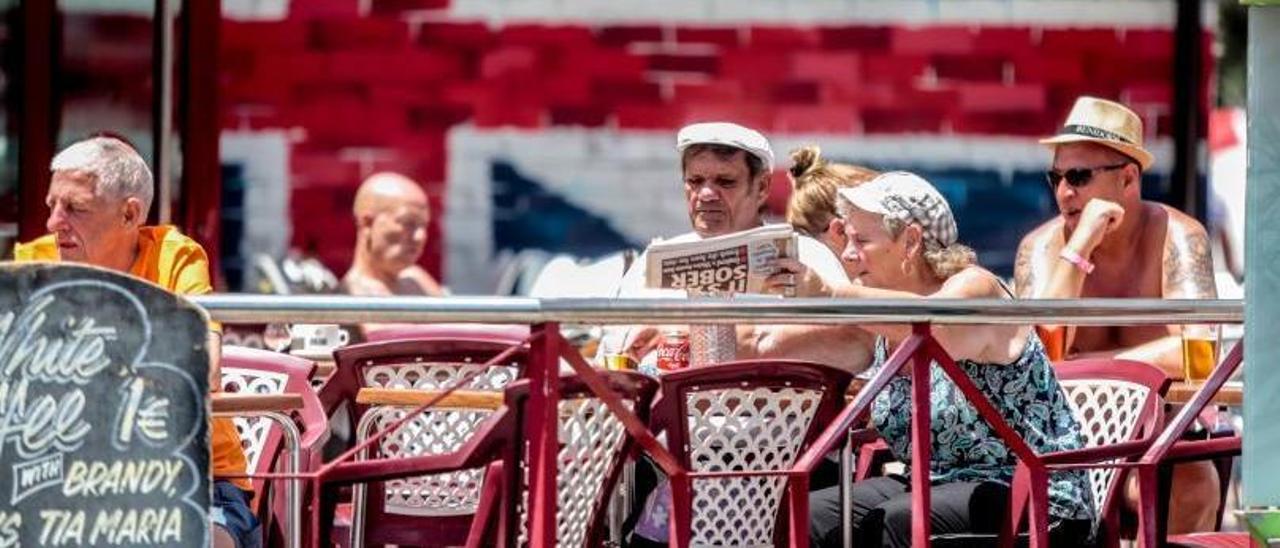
(965, 448)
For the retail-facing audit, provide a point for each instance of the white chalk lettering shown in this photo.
(136, 526)
(73, 359)
(35, 427)
(62, 528)
(101, 478)
(31, 477)
(10, 525)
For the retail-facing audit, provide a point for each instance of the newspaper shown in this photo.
(733, 263)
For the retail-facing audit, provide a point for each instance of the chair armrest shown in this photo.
(407, 397)
(1082, 458)
(235, 404)
(1193, 450)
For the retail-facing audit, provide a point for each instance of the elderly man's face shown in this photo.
(1105, 183)
(90, 227)
(720, 194)
(398, 235)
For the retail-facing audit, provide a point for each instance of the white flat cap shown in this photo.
(727, 134)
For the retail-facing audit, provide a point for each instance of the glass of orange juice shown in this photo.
(1199, 351)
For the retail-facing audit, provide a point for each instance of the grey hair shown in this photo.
(943, 261)
(117, 169)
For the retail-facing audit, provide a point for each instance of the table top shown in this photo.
(232, 403)
(469, 399)
(1232, 393)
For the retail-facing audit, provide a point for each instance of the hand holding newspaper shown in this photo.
(733, 263)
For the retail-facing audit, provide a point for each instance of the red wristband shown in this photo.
(1069, 255)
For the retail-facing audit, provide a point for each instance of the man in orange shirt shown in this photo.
(98, 200)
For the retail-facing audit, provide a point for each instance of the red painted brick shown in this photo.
(257, 36)
(723, 37)
(721, 90)
(708, 64)
(818, 119)
(1104, 41)
(358, 33)
(866, 38)
(893, 68)
(464, 35)
(591, 116)
(1121, 70)
(795, 92)
(1028, 123)
(399, 66)
(628, 92)
(294, 67)
(398, 7)
(438, 116)
(755, 65)
(784, 37)
(932, 40)
(1051, 69)
(618, 36)
(1148, 43)
(506, 114)
(1003, 40)
(567, 90)
(969, 68)
(902, 120)
(564, 37)
(1147, 93)
(998, 97)
(605, 64)
(648, 116)
(827, 66)
(306, 9)
(509, 60)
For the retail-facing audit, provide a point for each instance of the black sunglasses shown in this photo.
(1076, 177)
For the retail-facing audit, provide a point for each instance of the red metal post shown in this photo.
(197, 114)
(36, 115)
(540, 424)
(920, 442)
(798, 490)
(681, 522)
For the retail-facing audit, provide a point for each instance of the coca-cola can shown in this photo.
(673, 353)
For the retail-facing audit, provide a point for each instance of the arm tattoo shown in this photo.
(1022, 280)
(1188, 266)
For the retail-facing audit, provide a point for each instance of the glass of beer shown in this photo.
(1199, 351)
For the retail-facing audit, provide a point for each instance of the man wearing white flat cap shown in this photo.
(727, 170)
(1109, 242)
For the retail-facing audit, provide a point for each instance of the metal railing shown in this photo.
(512, 310)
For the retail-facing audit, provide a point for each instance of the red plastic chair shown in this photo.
(1115, 401)
(593, 447)
(256, 371)
(425, 510)
(753, 415)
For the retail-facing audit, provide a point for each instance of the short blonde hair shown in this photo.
(814, 182)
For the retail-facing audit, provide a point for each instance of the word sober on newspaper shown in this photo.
(103, 430)
(734, 263)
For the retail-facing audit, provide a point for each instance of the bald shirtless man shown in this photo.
(1108, 242)
(391, 231)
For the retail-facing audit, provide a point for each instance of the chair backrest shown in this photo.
(424, 363)
(752, 415)
(1114, 401)
(593, 447)
(256, 371)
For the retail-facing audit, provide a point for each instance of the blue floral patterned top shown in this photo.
(965, 448)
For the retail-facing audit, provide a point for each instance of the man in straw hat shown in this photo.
(1109, 242)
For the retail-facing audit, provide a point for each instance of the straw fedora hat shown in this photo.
(1106, 123)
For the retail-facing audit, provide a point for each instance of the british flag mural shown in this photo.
(549, 124)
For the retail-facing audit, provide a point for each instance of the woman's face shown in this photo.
(871, 255)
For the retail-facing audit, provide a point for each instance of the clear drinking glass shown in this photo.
(1199, 351)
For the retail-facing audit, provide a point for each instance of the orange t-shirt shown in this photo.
(177, 263)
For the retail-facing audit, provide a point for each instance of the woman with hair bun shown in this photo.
(811, 210)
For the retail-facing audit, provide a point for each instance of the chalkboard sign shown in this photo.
(104, 435)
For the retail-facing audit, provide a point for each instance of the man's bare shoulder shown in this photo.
(1049, 233)
(354, 283)
(419, 277)
(1030, 263)
(1187, 262)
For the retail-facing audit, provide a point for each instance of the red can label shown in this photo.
(673, 353)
